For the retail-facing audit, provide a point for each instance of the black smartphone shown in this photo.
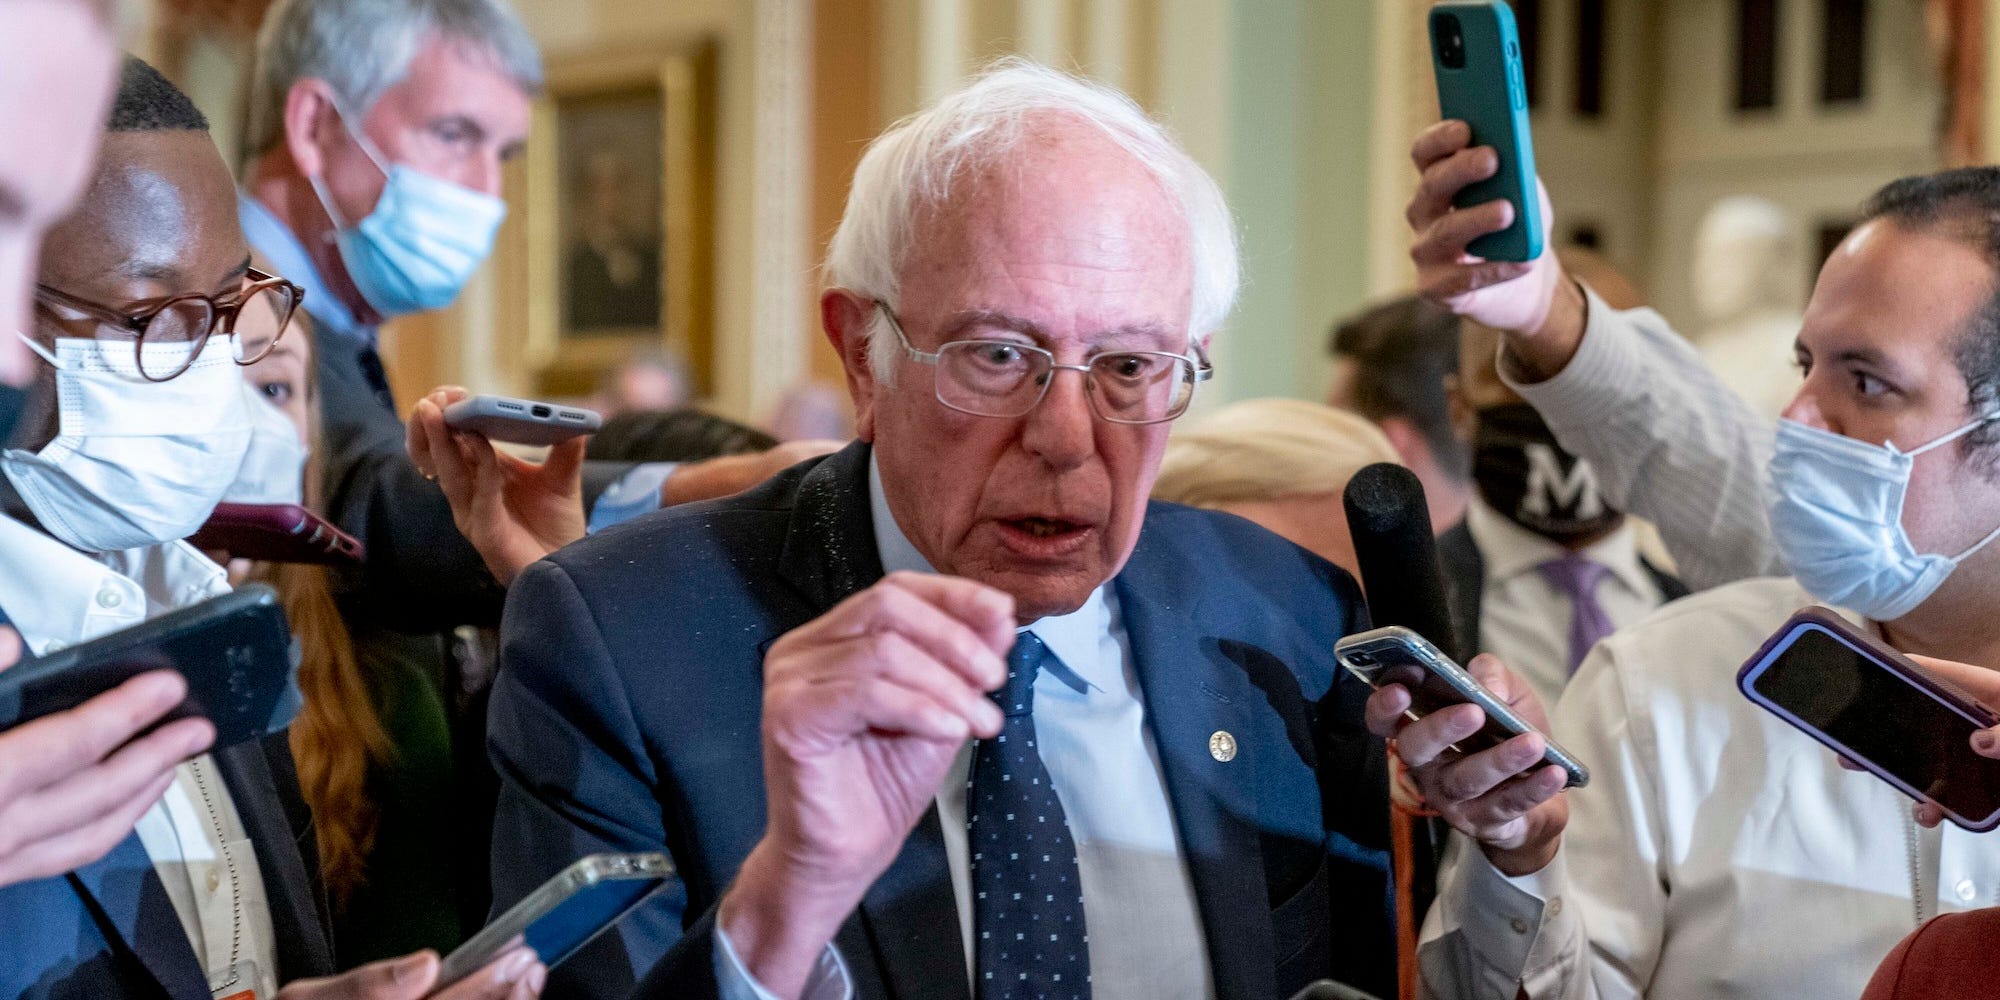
(236, 652)
(277, 532)
(521, 421)
(1396, 655)
(565, 913)
(1878, 709)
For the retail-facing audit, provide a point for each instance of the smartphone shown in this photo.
(1476, 53)
(565, 913)
(1873, 706)
(236, 652)
(1396, 655)
(277, 532)
(521, 421)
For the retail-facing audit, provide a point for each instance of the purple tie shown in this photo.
(1577, 578)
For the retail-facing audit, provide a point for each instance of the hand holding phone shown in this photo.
(1476, 54)
(1507, 797)
(1877, 709)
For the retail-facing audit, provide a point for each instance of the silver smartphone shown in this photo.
(521, 421)
(1396, 655)
(565, 913)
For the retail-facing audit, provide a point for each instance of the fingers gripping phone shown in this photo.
(521, 421)
(236, 652)
(1476, 53)
(565, 913)
(1873, 706)
(1396, 655)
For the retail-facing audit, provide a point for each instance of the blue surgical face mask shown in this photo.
(1837, 518)
(421, 244)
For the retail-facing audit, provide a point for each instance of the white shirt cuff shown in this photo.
(636, 492)
(829, 979)
(1509, 921)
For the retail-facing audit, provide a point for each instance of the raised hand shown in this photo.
(864, 710)
(512, 510)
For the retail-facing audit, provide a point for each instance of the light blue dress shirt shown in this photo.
(636, 492)
(1146, 940)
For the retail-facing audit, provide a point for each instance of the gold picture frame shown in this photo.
(618, 216)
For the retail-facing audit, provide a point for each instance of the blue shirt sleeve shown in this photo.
(636, 492)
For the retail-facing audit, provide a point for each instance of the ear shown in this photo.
(846, 318)
(1408, 441)
(312, 125)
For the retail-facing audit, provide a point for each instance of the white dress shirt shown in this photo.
(1524, 619)
(56, 597)
(1139, 905)
(1717, 851)
(1670, 442)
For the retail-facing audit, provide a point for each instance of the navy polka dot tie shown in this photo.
(1027, 902)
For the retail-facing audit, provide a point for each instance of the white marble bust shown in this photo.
(1746, 275)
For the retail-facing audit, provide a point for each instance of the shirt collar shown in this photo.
(282, 247)
(56, 596)
(1510, 550)
(1073, 637)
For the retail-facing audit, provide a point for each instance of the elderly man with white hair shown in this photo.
(956, 711)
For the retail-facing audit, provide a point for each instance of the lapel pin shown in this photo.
(1222, 746)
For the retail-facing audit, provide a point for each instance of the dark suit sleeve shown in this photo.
(421, 575)
(576, 777)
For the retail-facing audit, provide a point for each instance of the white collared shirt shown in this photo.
(1139, 905)
(57, 597)
(1717, 851)
(1524, 619)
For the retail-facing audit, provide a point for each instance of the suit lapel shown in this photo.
(1192, 693)
(281, 840)
(910, 914)
(132, 906)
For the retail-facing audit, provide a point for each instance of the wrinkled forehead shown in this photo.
(1070, 232)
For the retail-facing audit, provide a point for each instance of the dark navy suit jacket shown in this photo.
(625, 718)
(108, 932)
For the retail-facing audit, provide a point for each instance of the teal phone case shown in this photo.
(1490, 93)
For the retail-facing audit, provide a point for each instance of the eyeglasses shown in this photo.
(189, 319)
(1003, 378)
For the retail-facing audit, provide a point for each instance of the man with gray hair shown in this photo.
(1168, 791)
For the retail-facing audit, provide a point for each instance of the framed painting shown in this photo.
(620, 215)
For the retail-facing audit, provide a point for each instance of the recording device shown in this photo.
(521, 421)
(565, 913)
(1396, 655)
(1476, 53)
(236, 652)
(1327, 989)
(1873, 706)
(277, 532)
(1396, 553)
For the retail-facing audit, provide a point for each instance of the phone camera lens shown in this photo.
(1450, 37)
(1361, 659)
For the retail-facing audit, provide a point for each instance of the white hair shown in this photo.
(363, 47)
(910, 169)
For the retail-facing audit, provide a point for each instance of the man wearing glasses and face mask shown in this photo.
(137, 423)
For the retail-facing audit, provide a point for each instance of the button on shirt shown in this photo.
(58, 597)
(1523, 619)
(1146, 940)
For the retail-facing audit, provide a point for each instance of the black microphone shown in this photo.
(1397, 554)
